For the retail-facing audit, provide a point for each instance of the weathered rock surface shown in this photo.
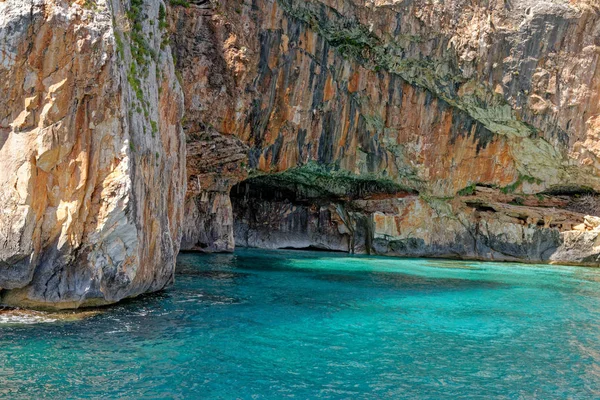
(485, 224)
(438, 98)
(213, 168)
(91, 153)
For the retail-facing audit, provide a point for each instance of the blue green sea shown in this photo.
(294, 324)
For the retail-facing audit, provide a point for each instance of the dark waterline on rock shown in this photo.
(276, 324)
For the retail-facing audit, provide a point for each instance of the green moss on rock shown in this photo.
(317, 181)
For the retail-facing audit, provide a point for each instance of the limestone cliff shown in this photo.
(402, 127)
(91, 152)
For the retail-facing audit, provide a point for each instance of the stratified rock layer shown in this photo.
(91, 153)
(443, 99)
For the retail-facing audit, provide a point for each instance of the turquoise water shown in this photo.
(278, 324)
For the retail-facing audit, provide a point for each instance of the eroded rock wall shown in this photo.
(444, 99)
(274, 211)
(92, 152)
(410, 88)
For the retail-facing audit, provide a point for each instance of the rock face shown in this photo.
(213, 168)
(91, 152)
(484, 115)
(486, 224)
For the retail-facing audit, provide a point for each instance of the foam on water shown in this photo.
(17, 317)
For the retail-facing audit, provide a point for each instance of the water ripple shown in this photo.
(308, 325)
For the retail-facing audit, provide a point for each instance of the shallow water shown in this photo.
(276, 324)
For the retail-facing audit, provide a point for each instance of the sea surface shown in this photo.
(294, 324)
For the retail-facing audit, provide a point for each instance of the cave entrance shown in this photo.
(309, 208)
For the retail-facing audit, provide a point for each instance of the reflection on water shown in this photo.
(259, 324)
